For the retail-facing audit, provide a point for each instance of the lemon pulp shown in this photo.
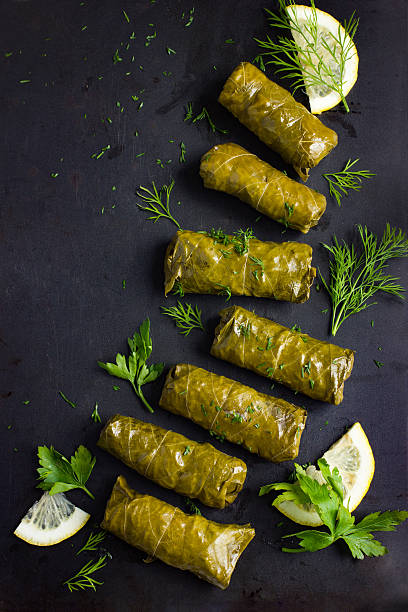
(51, 519)
(353, 456)
(318, 30)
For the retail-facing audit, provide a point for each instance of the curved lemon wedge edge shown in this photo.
(51, 519)
(353, 456)
(320, 98)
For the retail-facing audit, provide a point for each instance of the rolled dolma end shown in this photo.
(288, 356)
(265, 425)
(232, 169)
(272, 113)
(204, 262)
(194, 469)
(189, 542)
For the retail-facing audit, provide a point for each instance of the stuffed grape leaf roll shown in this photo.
(298, 361)
(262, 424)
(173, 461)
(187, 541)
(231, 168)
(239, 264)
(272, 113)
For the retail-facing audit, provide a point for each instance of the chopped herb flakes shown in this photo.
(102, 152)
(190, 19)
(237, 418)
(150, 37)
(95, 417)
(182, 157)
(64, 397)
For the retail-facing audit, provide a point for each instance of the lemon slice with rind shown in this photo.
(353, 457)
(50, 520)
(327, 55)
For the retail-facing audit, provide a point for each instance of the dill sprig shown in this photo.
(93, 541)
(301, 58)
(155, 204)
(185, 316)
(188, 111)
(239, 240)
(259, 60)
(341, 182)
(203, 114)
(83, 580)
(193, 509)
(355, 278)
(225, 290)
(178, 289)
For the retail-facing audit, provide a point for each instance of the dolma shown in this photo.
(213, 262)
(272, 113)
(187, 541)
(262, 424)
(173, 461)
(230, 168)
(313, 367)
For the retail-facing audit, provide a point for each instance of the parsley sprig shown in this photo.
(327, 499)
(136, 371)
(340, 183)
(185, 316)
(154, 203)
(59, 475)
(355, 278)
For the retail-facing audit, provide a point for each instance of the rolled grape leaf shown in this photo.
(262, 424)
(272, 113)
(190, 542)
(196, 470)
(230, 168)
(313, 367)
(213, 262)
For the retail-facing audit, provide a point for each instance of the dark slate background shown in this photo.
(64, 306)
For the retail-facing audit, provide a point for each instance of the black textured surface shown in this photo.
(63, 305)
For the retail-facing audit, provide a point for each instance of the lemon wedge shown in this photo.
(325, 48)
(50, 520)
(353, 457)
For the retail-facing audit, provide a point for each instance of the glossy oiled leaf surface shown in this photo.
(190, 542)
(173, 461)
(265, 425)
(313, 367)
(203, 265)
(231, 168)
(272, 113)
